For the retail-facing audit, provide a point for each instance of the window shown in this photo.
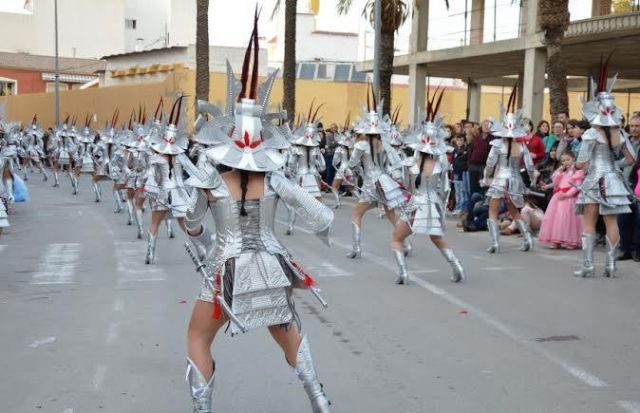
(358, 76)
(325, 71)
(51, 87)
(307, 71)
(130, 24)
(8, 87)
(342, 73)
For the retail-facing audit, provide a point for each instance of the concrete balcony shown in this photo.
(596, 27)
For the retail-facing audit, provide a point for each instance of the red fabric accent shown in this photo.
(217, 310)
(308, 281)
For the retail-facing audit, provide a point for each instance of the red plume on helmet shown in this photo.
(244, 78)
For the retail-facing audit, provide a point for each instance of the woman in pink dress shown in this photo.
(561, 227)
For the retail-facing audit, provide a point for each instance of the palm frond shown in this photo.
(276, 9)
(343, 6)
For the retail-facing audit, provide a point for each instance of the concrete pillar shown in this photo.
(418, 73)
(600, 8)
(533, 83)
(474, 92)
(520, 90)
(417, 87)
(476, 28)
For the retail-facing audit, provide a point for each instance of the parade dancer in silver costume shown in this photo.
(164, 181)
(604, 190)
(34, 147)
(116, 161)
(426, 211)
(341, 158)
(248, 264)
(370, 156)
(53, 153)
(139, 150)
(502, 174)
(67, 153)
(11, 147)
(77, 156)
(6, 187)
(86, 143)
(306, 162)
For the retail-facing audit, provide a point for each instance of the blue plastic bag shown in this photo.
(20, 190)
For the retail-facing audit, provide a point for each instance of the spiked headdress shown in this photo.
(372, 122)
(511, 125)
(171, 139)
(244, 135)
(345, 137)
(430, 135)
(601, 109)
(309, 134)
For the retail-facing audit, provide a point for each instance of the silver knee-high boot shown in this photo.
(129, 204)
(45, 175)
(306, 372)
(291, 222)
(76, 185)
(117, 198)
(527, 237)
(454, 262)
(610, 267)
(403, 272)
(170, 233)
(588, 267)
(494, 236)
(201, 389)
(151, 248)
(56, 179)
(356, 239)
(139, 223)
(96, 191)
(408, 247)
(336, 199)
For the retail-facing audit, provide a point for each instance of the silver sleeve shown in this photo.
(321, 163)
(337, 159)
(198, 206)
(355, 158)
(586, 149)
(315, 214)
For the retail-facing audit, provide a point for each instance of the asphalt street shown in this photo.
(88, 327)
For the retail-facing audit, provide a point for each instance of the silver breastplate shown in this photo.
(507, 166)
(602, 161)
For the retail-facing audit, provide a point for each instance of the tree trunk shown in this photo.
(387, 42)
(289, 66)
(553, 20)
(202, 49)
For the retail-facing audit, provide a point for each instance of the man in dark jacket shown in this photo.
(478, 153)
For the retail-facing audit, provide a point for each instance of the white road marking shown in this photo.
(42, 341)
(113, 333)
(131, 266)
(629, 407)
(582, 375)
(58, 264)
(98, 378)
(502, 268)
(2, 248)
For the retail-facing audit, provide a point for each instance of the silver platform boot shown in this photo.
(25, 177)
(527, 237)
(56, 179)
(610, 267)
(129, 204)
(139, 223)
(588, 267)
(306, 372)
(454, 262)
(45, 175)
(117, 199)
(494, 236)
(201, 389)
(356, 239)
(408, 247)
(151, 248)
(76, 185)
(403, 272)
(336, 199)
(170, 233)
(290, 222)
(96, 191)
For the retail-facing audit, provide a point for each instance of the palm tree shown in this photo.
(553, 20)
(289, 64)
(394, 14)
(202, 49)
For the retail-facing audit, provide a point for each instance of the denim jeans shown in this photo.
(461, 186)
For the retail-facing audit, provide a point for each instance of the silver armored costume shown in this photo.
(340, 162)
(604, 183)
(502, 172)
(425, 213)
(34, 147)
(249, 274)
(6, 190)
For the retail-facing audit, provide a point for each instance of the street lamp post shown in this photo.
(57, 74)
(376, 47)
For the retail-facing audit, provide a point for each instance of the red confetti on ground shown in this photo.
(463, 312)
(182, 302)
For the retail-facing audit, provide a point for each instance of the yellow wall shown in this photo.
(340, 98)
